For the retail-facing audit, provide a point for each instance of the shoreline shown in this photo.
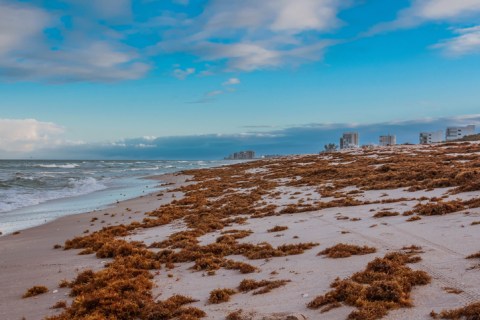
(28, 258)
(57, 203)
(270, 221)
(71, 187)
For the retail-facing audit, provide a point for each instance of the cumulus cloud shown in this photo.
(95, 61)
(467, 42)
(19, 25)
(36, 44)
(88, 40)
(422, 11)
(96, 40)
(444, 9)
(182, 74)
(294, 16)
(149, 138)
(232, 82)
(27, 135)
(250, 35)
(228, 87)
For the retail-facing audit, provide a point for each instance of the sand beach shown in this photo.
(374, 233)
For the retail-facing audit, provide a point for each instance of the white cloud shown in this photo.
(250, 34)
(26, 135)
(430, 10)
(232, 82)
(182, 74)
(241, 56)
(19, 25)
(149, 138)
(143, 145)
(120, 144)
(467, 42)
(94, 62)
(444, 9)
(214, 93)
(228, 87)
(209, 96)
(87, 40)
(88, 51)
(275, 15)
(298, 15)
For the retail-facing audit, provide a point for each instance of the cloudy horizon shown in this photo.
(201, 79)
(46, 142)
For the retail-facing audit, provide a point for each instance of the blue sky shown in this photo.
(204, 78)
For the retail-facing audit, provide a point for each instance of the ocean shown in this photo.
(33, 192)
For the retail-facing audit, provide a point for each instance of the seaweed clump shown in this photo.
(343, 250)
(438, 208)
(35, 291)
(385, 213)
(264, 286)
(468, 312)
(121, 291)
(59, 305)
(235, 315)
(220, 295)
(384, 285)
(277, 229)
(474, 256)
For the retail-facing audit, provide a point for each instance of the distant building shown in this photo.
(388, 140)
(431, 137)
(242, 155)
(454, 133)
(349, 140)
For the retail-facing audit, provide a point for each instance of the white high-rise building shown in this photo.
(388, 140)
(431, 137)
(454, 133)
(349, 140)
(242, 155)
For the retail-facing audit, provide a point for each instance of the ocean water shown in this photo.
(34, 192)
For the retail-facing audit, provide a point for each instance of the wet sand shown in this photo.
(28, 258)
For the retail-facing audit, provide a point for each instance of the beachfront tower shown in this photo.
(454, 133)
(388, 140)
(242, 155)
(349, 140)
(431, 137)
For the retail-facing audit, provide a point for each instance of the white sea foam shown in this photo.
(31, 191)
(64, 166)
(146, 169)
(12, 199)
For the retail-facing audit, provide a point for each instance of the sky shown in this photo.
(200, 79)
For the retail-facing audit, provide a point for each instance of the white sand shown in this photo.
(29, 259)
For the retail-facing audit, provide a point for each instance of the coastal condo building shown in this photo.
(349, 140)
(242, 155)
(431, 137)
(454, 133)
(388, 140)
